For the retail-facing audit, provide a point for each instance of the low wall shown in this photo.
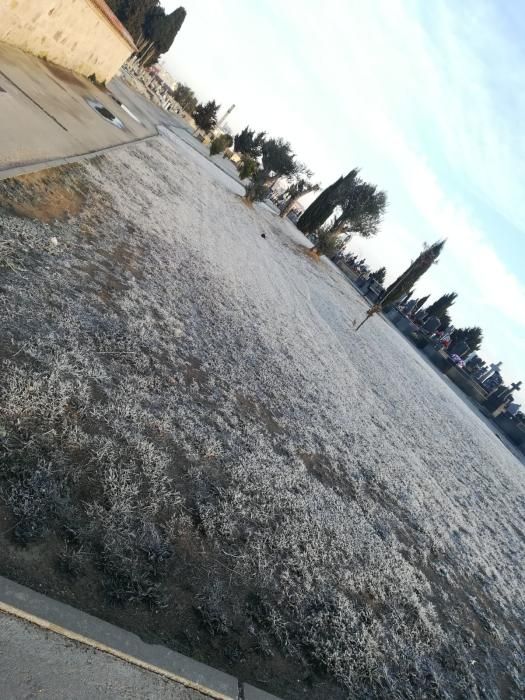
(82, 35)
(436, 357)
(515, 432)
(469, 386)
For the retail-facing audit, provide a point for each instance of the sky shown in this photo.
(426, 98)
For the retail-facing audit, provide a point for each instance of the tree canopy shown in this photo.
(249, 143)
(362, 207)
(148, 19)
(278, 158)
(441, 305)
(472, 335)
(186, 98)
(205, 115)
(322, 208)
(412, 274)
(379, 275)
(220, 143)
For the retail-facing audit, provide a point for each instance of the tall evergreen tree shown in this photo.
(249, 143)
(441, 305)
(162, 29)
(379, 275)
(412, 274)
(147, 19)
(420, 303)
(322, 208)
(399, 288)
(472, 335)
(278, 158)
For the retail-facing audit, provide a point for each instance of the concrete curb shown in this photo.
(62, 619)
(35, 167)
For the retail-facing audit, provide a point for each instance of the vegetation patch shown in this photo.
(195, 445)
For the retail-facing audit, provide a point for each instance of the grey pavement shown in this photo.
(36, 663)
(47, 616)
(46, 114)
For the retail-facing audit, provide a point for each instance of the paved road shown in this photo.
(35, 663)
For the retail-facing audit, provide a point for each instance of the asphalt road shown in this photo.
(35, 663)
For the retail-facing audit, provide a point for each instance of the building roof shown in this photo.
(104, 9)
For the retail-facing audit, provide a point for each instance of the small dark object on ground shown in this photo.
(263, 235)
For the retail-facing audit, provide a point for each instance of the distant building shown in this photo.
(84, 36)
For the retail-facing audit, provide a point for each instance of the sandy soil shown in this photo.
(197, 445)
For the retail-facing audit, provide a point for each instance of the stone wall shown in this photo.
(82, 35)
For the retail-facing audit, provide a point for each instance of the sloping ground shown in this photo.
(198, 446)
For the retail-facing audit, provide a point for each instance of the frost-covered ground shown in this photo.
(190, 425)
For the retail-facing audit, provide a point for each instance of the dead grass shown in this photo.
(47, 195)
(187, 427)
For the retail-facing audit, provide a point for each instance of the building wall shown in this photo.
(75, 34)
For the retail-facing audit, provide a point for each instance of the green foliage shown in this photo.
(147, 19)
(133, 13)
(248, 168)
(205, 115)
(322, 208)
(441, 305)
(363, 206)
(162, 28)
(327, 242)
(278, 158)
(412, 274)
(220, 143)
(249, 143)
(379, 275)
(186, 98)
(472, 335)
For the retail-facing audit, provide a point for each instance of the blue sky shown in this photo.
(427, 98)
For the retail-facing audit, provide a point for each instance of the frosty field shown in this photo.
(196, 445)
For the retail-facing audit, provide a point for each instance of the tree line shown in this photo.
(147, 19)
(349, 206)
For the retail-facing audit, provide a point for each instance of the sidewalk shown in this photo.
(35, 663)
(51, 650)
(51, 113)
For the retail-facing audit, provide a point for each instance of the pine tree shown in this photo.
(162, 29)
(412, 274)
(379, 275)
(442, 304)
(248, 143)
(322, 208)
(399, 288)
(278, 158)
(471, 335)
(205, 115)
